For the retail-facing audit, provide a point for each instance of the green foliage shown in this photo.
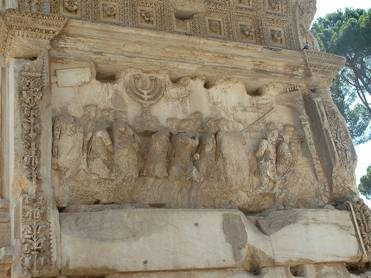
(356, 115)
(365, 184)
(348, 33)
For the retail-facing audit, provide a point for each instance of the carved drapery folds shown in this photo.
(276, 157)
(35, 226)
(105, 152)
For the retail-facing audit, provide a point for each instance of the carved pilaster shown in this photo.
(361, 215)
(333, 143)
(25, 34)
(35, 227)
(36, 235)
(28, 35)
(31, 91)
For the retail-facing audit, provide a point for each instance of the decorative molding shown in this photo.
(273, 23)
(3, 35)
(35, 226)
(15, 25)
(361, 215)
(322, 65)
(36, 235)
(31, 85)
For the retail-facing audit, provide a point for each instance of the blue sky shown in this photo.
(328, 6)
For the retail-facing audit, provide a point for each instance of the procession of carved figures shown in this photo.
(233, 151)
(276, 158)
(104, 144)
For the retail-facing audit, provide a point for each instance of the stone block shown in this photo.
(311, 236)
(73, 77)
(151, 240)
(132, 240)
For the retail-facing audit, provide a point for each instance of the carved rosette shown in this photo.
(361, 215)
(35, 226)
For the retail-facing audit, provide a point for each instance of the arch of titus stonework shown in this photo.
(173, 139)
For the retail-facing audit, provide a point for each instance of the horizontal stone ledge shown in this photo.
(140, 240)
(112, 47)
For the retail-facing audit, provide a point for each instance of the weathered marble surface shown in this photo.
(159, 240)
(193, 145)
(209, 104)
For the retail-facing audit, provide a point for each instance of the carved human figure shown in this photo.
(285, 156)
(100, 149)
(126, 147)
(233, 158)
(184, 149)
(206, 164)
(67, 144)
(88, 122)
(266, 156)
(156, 163)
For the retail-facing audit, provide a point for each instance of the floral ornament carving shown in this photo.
(147, 16)
(109, 10)
(31, 86)
(35, 227)
(16, 27)
(36, 241)
(247, 31)
(361, 215)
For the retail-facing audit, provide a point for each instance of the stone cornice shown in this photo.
(322, 66)
(24, 34)
(120, 47)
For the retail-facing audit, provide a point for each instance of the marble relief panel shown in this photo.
(144, 139)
